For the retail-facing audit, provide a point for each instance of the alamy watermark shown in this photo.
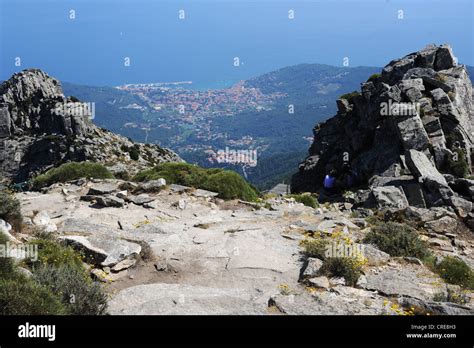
(21, 251)
(391, 108)
(243, 157)
(75, 109)
(37, 331)
(339, 249)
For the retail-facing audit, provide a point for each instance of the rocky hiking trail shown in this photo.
(175, 250)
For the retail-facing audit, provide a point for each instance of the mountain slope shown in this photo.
(311, 83)
(40, 128)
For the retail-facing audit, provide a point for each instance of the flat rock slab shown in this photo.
(140, 199)
(82, 226)
(409, 280)
(266, 259)
(102, 189)
(329, 225)
(204, 193)
(374, 256)
(102, 250)
(257, 249)
(390, 196)
(421, 166)
(179, 188)
(152, 186)
(177, 299)
(444, 225)
(330, 303)
(110, 201)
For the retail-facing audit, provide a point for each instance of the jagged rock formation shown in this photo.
(409, 132)
(41, 128)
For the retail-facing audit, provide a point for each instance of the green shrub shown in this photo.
(172, 173)
(134, 152)
(455, 271)
(7, 266)
(79, 294)
(23, 296)
(307, 200)
(345, 267)
(459, 297)
(457, 164)
(315, 247)
(349, 267)
(60, 284)
(227, 183)
(20, 295)
(373, 77)
(397, 240)
(230, 185)
(71, 171)
(51, 252)
(349, 96)
(10, 210)
(124, 175)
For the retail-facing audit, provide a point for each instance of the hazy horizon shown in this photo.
(91, 48)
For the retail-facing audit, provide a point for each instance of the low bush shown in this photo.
(455, 271)
(134, 152)
(307, 200)
(346, 267)
(79, 294)
(341, 264)
(349, 96)
(60, 284)
(459, 297)
(23, 296)
(373, 77)
(10, 210)
(227, 183)
(457, 164)
(397, 240)
(7, 266)
(315, 247)
(20, 295)
(71, 171)
(51, 252)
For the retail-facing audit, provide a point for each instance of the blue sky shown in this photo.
(91, 48)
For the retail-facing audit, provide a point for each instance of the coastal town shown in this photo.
(175, 105)
(201, 103)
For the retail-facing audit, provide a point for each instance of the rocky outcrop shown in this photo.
(41, 128)
(405, 131)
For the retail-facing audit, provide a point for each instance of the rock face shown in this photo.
(41, 128)
(407, 127)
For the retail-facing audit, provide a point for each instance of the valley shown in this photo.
(272, 114)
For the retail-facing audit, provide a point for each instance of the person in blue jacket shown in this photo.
(330, 182)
